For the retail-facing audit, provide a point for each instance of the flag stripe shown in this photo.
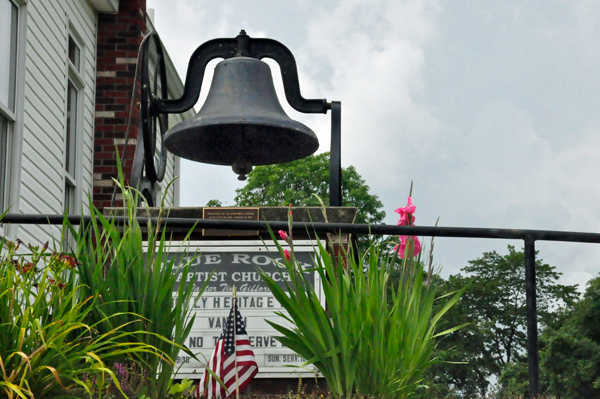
(245, 374)
(223, 361)
(246, 357)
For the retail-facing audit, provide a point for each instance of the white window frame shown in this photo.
(14, 117)
(72, 184)
(75, 78)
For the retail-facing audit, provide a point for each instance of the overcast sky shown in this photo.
(491, 108)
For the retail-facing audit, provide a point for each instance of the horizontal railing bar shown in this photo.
(429, 231)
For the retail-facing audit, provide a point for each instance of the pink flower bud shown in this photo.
(286, 253)
(282, 235)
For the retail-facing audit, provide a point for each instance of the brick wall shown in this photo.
(119, 38)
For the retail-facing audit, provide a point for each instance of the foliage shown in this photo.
(571, 364)
(361, 344)
(570, 355)
(298, 182)
(465, 368)
(514, 380)
(497, 300)
(131, 282)
(214, 203)
(183, 389)
(46, 348)
(495, 306)
(134, 381)
(587, 311)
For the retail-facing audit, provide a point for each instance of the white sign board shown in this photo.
(237, 263)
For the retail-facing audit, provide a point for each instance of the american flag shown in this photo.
(223, 360)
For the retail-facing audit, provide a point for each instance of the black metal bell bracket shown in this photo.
(156, 105)
(242, 45)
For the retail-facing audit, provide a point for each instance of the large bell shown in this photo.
(241, 123)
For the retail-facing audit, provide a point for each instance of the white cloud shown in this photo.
(374, 56)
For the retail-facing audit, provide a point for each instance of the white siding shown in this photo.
(41, 165)
(42, 169)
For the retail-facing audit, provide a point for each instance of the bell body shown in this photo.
(241, 122)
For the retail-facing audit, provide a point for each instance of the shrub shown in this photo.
(362, 344)
(135, 282)
(46, 346)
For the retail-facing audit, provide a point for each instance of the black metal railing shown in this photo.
(528, 236)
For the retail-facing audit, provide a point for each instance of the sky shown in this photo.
(491, 108)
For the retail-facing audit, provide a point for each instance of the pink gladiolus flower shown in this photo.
(410, 208)
(407, 218)
(282, 235)
(404, 212)
(403, 241)
(286, 253)
(404, 220)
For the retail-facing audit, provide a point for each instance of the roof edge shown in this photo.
(105, 6)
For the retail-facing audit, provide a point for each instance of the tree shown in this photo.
(296, 182)
(214, 203)
(497, 301)
(469, 378)
(570, 355)
(494, 304)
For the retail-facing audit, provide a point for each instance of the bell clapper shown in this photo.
(242, 167)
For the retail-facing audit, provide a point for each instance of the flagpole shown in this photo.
(237, 378)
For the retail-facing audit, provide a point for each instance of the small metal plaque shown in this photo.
(230, 214)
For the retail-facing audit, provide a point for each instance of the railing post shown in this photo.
(532, 334)
(335, 162)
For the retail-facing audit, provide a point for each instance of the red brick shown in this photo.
(119, 36)
(98, 141)
(104, 155)
(118, 67)
(115, 53)
(121, 128)
(100, 127)
(122, 100)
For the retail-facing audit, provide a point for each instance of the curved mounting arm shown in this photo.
(268, 48)
(245, 46)
(217, 48)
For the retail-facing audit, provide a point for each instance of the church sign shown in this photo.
(225, 264)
